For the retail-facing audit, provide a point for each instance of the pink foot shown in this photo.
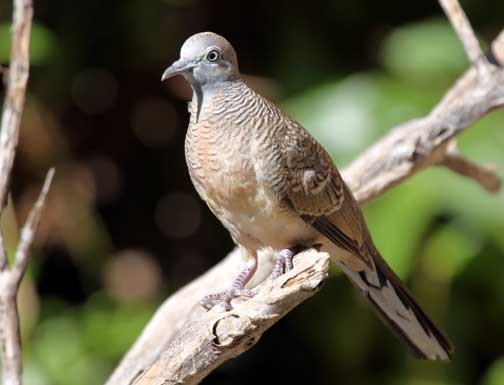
(283, 263)
(236, 290)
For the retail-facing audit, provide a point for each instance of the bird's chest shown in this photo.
(221, 167)
(229, 177)
(239, 174)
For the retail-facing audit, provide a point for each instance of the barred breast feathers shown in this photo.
(299, 170)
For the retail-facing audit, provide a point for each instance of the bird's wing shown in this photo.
(346, 228)
(322, 199)
(318, 194)
(315, 186)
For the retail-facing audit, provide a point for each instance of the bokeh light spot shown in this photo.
(178, 215)
(94, 91)
(154, 122)
(108, 178)
(132, 275)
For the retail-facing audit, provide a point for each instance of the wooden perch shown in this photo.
(214, 337)
(182, 344)
(11, 276)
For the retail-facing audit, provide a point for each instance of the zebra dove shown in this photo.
(271, 184)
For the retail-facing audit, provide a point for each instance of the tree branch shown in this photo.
(497, 50)
(214, 337)
(484, 175)
(11, 277)
(3, 253)
(182, 344)
(9, 135)
(30, 228)
(462, 27)
(16, 88)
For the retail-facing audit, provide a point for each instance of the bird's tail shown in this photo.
(397, 308)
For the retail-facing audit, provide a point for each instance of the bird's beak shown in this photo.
(179, 67)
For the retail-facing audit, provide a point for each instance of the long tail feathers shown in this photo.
(397, 308)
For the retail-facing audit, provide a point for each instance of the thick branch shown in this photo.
(214, 337)
(420, 143)
(179, 333)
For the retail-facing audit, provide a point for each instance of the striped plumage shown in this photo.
(272, 184)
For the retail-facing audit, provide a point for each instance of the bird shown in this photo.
(272, 185)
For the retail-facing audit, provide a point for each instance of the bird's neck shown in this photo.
(205, 95)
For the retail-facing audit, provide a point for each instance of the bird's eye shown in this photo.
(212, 56)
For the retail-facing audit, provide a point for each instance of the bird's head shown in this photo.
(205, 59)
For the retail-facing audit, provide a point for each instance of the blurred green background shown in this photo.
(124, 227)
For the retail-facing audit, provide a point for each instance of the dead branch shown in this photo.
(485, 175)
(11, 276)
(214, 337)
(10, 279)
(182, 344)
(16, 88)
(462, 27)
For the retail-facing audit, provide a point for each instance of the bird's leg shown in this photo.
(283, 263)
(237, 289)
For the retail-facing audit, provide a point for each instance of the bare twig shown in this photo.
(462, 27)
(11, 277)
(15, 95)
(159, 355)
(484, 175)
(30, 228)
(3, 253)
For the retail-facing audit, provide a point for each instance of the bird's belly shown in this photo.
(256, 219)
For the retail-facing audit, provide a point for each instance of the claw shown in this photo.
(224, 298)
(283, 263)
